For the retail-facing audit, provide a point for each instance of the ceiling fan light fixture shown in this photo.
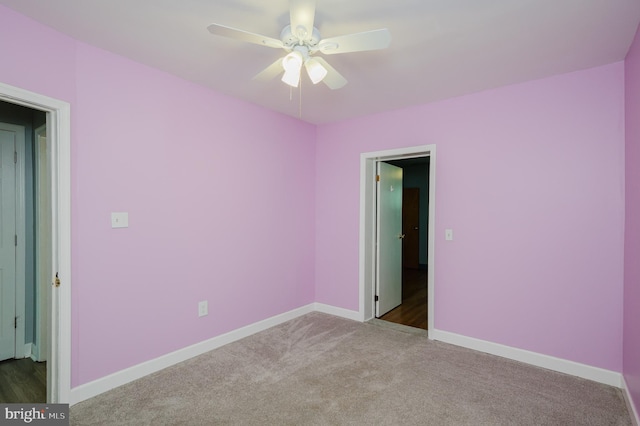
(292, 63)
(291, 78)
(315, 70)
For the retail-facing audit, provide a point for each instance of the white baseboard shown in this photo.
(28, 350)
(33, 350)
(596, 374)
(96, 387)
(630, 404)
(339, 312)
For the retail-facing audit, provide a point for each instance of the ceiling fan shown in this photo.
(301, 40)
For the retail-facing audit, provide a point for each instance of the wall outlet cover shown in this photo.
(203, 308)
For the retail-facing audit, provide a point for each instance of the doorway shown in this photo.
(56, 300)
(23, 342)
(368, 226)
(412, 310)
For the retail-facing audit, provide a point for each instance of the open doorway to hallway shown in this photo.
(58, 169)
(25, 213)
(368, 247)
(413, 310)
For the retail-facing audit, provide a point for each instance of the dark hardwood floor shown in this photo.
(413, 310)
(23, 380)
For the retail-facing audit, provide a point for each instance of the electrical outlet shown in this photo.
(203, 308)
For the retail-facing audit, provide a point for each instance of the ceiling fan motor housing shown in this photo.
(290, 40)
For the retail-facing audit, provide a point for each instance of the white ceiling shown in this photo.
(439, 48)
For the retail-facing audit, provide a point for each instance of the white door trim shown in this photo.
(43, 244)
(59, 135)
(367, 244)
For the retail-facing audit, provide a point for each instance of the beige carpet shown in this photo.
(323, 370)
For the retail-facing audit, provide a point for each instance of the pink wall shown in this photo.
(631, 340)
(219, 194)
(38, 58)
(530, 177)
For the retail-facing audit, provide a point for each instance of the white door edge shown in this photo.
(367, 242)
(59, 125)
(43, 245)
(21, 245)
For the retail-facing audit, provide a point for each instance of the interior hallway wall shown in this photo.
(417, 176)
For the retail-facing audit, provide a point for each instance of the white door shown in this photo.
(8, 135)
(389, 231)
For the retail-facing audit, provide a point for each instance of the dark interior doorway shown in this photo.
(415, 224)
(24, 376)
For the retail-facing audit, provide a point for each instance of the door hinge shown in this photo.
(377, 178)
(376, 298)
(15, 322)
(15, 157)
(16, 241)
(57, 281)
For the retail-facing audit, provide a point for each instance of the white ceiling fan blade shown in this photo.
(333, 79)
(270, 72)
(368, 40)
(237, 34)
(301, 15)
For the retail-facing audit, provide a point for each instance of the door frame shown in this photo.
(59, 138)
(367, 243)
(43, 244)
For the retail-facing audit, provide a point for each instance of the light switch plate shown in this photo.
(120, 220)
(448, 234)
